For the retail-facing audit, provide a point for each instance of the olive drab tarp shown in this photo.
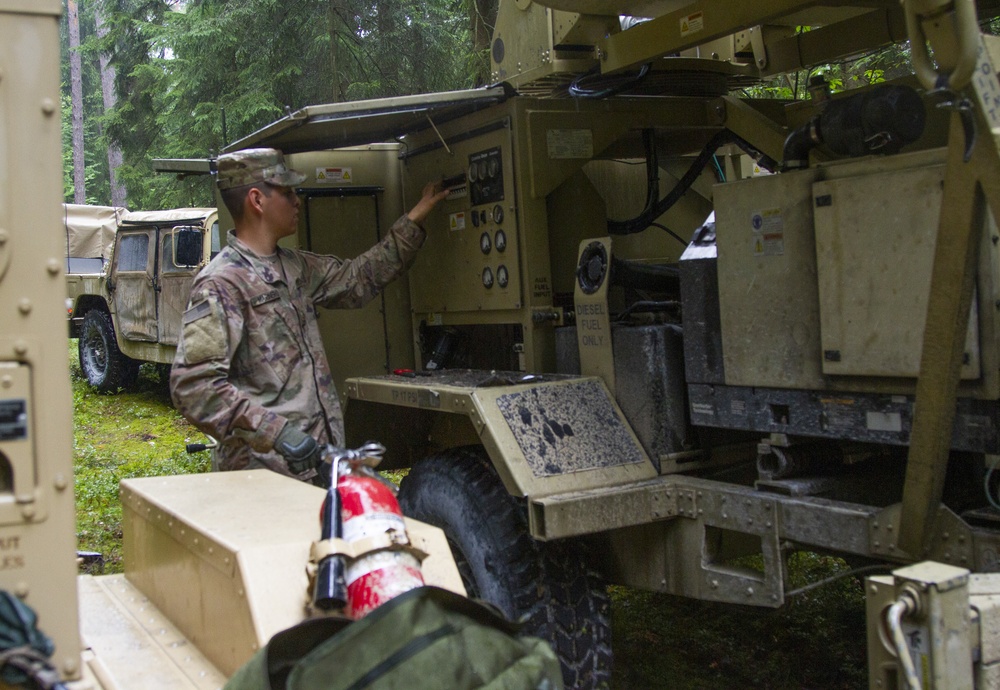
(90, 230)
(425, 639)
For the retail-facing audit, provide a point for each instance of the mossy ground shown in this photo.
(815, 641)
(115, 437)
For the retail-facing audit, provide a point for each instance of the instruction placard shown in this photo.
(768, 232)
(456, 221)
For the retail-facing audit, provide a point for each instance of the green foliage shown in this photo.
(884, 64)
(194, 76)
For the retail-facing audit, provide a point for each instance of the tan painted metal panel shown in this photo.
(874, 256)
(133, 645)
(224, 555)
(523, 440)
(37, 536)
(460, 264)
(767, 281)
(364, 122)
(367, 340)
(354, 338)
(52, 7)
(181, 550)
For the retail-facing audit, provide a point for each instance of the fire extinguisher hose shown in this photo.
(330, 589)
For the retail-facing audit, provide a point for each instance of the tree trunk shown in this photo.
(110, 99)
(334, 22)
(483, 19)
(484, 15)
(76, 93)
(385, 34)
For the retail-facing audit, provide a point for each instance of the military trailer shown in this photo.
(666, 334)
(129, 284)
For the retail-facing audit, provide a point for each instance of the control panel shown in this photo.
(474, 266)
(485, 176)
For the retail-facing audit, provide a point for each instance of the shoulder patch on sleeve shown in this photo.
(205, 336)
(197, 311)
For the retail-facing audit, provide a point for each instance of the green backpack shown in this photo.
(425, 639)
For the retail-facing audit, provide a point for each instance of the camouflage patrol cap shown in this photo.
(251, 166)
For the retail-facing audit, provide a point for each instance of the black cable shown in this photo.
(670, 232)
(578, 91)
(646, 218)
(838, 576)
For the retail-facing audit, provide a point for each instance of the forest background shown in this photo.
(145, 79)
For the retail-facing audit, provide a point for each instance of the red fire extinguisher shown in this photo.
(372, 521)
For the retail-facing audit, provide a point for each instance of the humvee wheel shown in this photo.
(547, 585)
(103, 364)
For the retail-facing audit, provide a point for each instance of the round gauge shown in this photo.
(472, 172)
(502, 277)
(493, 167)
(487, 277)
(481, 169)
(497, 214)
(475, 219)
(484, 243)
(501, 240)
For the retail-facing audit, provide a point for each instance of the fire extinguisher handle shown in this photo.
(330, 591)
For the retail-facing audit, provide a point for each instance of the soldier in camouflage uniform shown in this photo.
(250, 368)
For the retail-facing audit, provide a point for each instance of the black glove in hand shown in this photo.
(299, 449)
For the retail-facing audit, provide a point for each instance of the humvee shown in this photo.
(129, 285)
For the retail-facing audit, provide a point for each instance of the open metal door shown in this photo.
(336, 125)
(354, 338)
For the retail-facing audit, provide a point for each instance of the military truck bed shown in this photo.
(129, 643)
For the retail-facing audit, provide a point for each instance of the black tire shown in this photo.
(103, 364)
(546, 585)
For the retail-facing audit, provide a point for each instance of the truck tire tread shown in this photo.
(104, 366)
(548, 586)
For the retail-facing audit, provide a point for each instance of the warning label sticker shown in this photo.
(768, 232)
(456, 221)
(334, 175)
(693, 23)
